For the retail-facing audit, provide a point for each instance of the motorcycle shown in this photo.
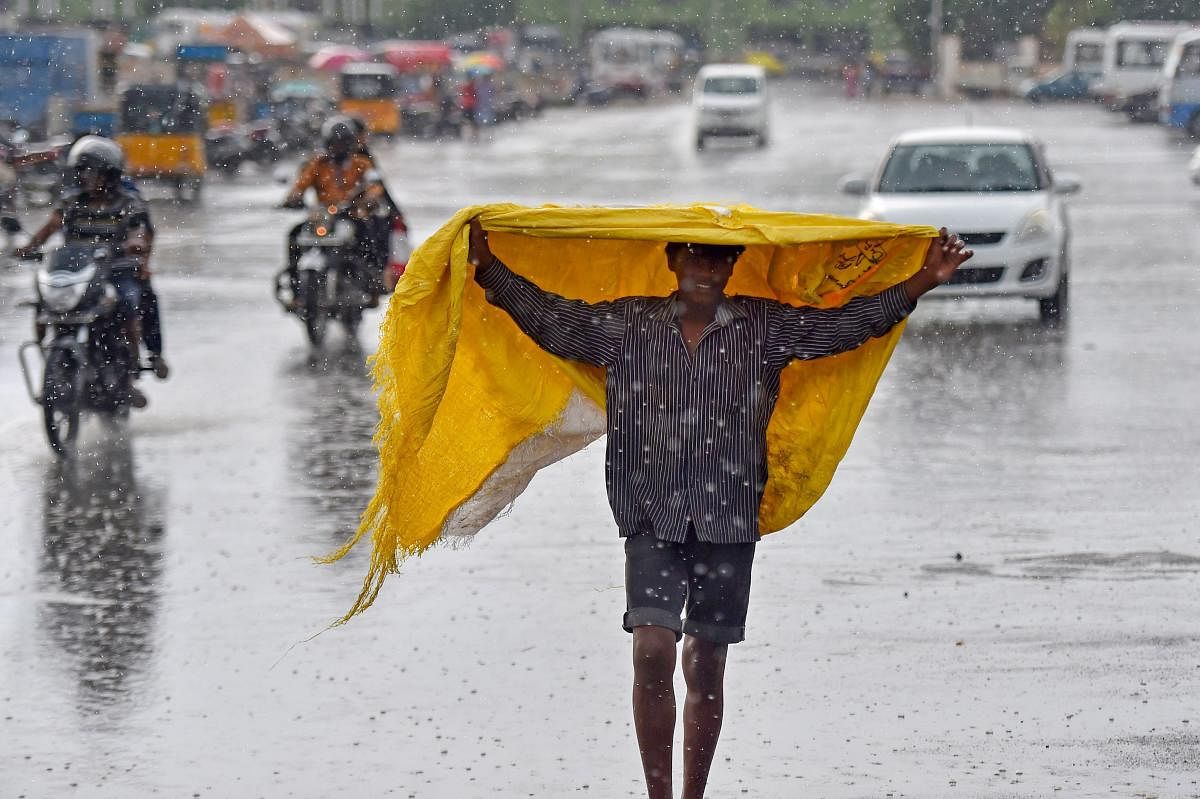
(334, 273)
(86, 363)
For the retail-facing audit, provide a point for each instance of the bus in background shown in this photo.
(1135, 54)
(1179, 98)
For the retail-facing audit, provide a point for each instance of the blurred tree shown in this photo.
(1066, 15)
(437, 18)
(980, 23)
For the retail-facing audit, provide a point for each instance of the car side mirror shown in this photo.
(1067, 184)
(854, 185)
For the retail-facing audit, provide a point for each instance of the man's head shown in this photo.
(97, 163)
(339, 138)
(702, 269)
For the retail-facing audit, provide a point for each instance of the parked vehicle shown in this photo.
(36, 70)
(993, 188)
(1134, 56)
(85, 362)
(1061, 85)
(730, 100)
(162, 135)
(369, 92)
(1084, 53)
(1179, 97)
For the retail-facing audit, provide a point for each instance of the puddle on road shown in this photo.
(1118, 566)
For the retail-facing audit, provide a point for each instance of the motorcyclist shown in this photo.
(148, 308)
(99, 210)
(382, 221)
(336, 174)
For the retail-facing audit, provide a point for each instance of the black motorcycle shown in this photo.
(86, 361)
(334, 274)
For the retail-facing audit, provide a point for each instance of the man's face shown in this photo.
(702, 273)
(91, 181)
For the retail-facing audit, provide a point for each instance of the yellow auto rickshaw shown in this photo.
(369, 92)
(162, 133)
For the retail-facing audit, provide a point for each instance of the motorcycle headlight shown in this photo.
(61, 296)
(1036, 225)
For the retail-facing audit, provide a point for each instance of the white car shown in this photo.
(730, 100)
(993, 188)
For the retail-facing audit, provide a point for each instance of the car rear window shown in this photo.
(960, 167)
(731, 84)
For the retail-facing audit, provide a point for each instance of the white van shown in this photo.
(730, 100)
(1084, 52)
(1134, 56)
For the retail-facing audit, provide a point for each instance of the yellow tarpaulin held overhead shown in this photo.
(470, 408)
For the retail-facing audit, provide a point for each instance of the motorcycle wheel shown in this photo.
(61, 397)
(315, 316)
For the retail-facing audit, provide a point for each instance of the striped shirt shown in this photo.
(687, 432)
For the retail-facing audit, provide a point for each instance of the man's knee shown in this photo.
(653, 651)
(704, 663)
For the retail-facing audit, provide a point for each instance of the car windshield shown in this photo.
(960, 167)
(730, 85)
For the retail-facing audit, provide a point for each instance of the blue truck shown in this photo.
(43, 74)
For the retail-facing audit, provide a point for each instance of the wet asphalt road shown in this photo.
(155, 595)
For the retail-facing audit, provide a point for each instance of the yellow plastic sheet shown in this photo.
(470, 408)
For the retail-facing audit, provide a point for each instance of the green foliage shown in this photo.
(435, 19)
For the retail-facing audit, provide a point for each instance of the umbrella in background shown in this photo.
(335, 56)
(482, 61)
(405, 55)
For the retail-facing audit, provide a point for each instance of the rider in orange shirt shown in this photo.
(337, 174)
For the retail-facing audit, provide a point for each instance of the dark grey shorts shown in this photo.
(710, 582)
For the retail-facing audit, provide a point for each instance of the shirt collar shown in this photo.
(729, 311)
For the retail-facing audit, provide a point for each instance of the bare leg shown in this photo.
(654, 705)
(704, 673)
(133, 339)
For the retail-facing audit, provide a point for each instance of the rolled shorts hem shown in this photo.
(714, 633)
(652, 617)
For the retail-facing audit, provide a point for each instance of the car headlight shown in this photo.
(1036, 225)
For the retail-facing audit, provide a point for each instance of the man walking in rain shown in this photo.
(691, 382)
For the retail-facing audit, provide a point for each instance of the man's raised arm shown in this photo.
(572, 329)
(807, 333)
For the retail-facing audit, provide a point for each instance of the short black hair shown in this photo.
(729, 251)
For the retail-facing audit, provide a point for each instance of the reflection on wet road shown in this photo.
(100, 568)
(993, 599)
